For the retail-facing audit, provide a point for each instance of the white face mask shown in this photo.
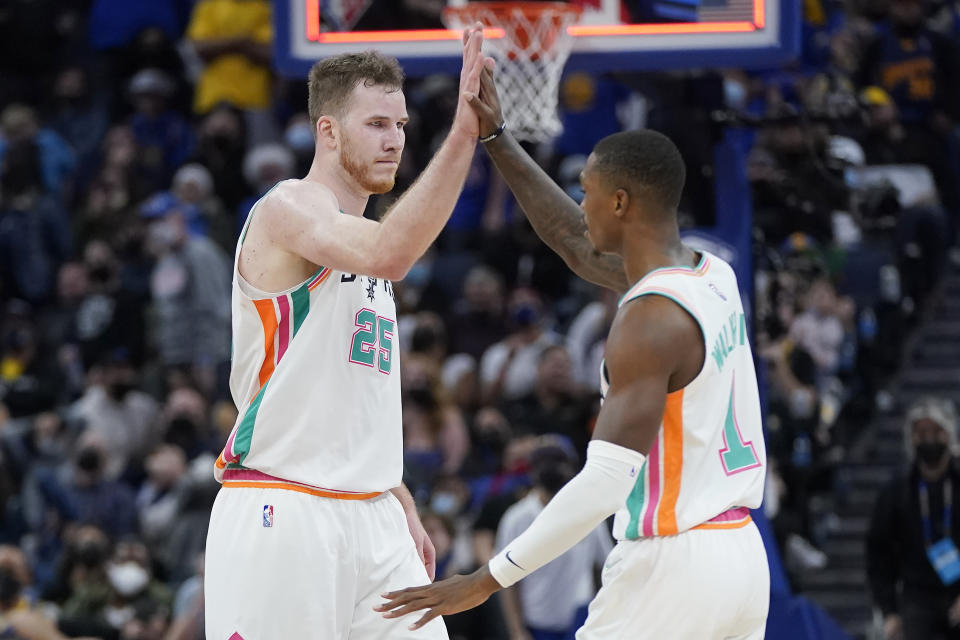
(128, 578)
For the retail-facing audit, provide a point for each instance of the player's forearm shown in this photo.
(419, 215)
(593, 495)
(553, 214)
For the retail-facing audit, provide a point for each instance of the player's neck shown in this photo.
(351, 197)
(653, 248)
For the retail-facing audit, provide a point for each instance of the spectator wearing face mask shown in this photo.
(137, 599)
(508, 369)
(116, 413)
(551, 604)
(190, 287)
(912, 560)
(435, 437)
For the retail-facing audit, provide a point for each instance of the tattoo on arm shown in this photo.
(555, 217)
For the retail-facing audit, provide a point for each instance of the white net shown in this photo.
(530, 58)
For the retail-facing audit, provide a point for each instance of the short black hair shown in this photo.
(644, 161)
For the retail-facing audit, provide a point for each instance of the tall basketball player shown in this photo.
(677, 453)
(312, 523)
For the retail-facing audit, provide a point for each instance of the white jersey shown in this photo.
(315, 376)
(707, 465)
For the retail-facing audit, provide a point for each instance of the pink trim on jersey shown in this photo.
(252, 475)
(284, 329)
(682, 271)
(731, 514)
(320, 278)
(653, 496)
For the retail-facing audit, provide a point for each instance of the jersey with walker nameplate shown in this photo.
(709, 459)
(315, 375)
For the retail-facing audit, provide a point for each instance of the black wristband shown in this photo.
(495, 134)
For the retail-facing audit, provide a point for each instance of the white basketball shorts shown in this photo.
(697, 585)
(285, 565)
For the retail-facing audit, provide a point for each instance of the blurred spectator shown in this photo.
(80, 492)
(912, 558)
(916, 66)
(233, 38)
(193, 187)
(34, 228)
(28, 377)
(57, 162)
(555, 405)
(435, 438)
(298, 137)
(190, 287)
(551, 604)
(139, 605)
(79, 114)
(161, 495)
(220, 149)
(263, 167)
(117, 414)
(587, 337)
(478, 317)
(17, 621)
(117, 23)
(818, 330)
(508, 369)
(163, 136)
(459, 377)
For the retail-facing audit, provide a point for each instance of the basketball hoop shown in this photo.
(530, 58)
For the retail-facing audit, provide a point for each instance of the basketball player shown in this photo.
(677, 453)
(311, 523)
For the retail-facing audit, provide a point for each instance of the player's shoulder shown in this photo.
(297, 195)
(653, 325)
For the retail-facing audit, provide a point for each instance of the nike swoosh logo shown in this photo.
(510, 560)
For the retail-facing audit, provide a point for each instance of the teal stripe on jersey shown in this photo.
(241, 444)
(301, 304)
(635, 504)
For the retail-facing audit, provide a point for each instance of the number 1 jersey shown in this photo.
(315, 375)
(708, 462)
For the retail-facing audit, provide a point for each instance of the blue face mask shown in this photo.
(444, 504)
(418, 276)
(734, 94)
(299, 137)
(525, 315)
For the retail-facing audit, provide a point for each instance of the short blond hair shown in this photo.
(332, 80)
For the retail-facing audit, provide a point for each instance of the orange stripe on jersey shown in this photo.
(672, 464)
(296, 487)
(220, 463)
(696, 272)
(319, 279)
(268, 318)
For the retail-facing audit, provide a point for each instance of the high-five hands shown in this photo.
(474, 62)
(487, 104)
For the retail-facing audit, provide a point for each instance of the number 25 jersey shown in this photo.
(315, 375)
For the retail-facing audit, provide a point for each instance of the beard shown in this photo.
(361, 172)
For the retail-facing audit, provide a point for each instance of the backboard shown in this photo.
(612, 35)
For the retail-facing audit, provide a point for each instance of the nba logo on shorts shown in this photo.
(268, 515)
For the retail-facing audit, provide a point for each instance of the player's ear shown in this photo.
(327, 132)
(622, 202)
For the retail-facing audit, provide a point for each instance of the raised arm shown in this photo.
(313, 228)
(555, 217)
